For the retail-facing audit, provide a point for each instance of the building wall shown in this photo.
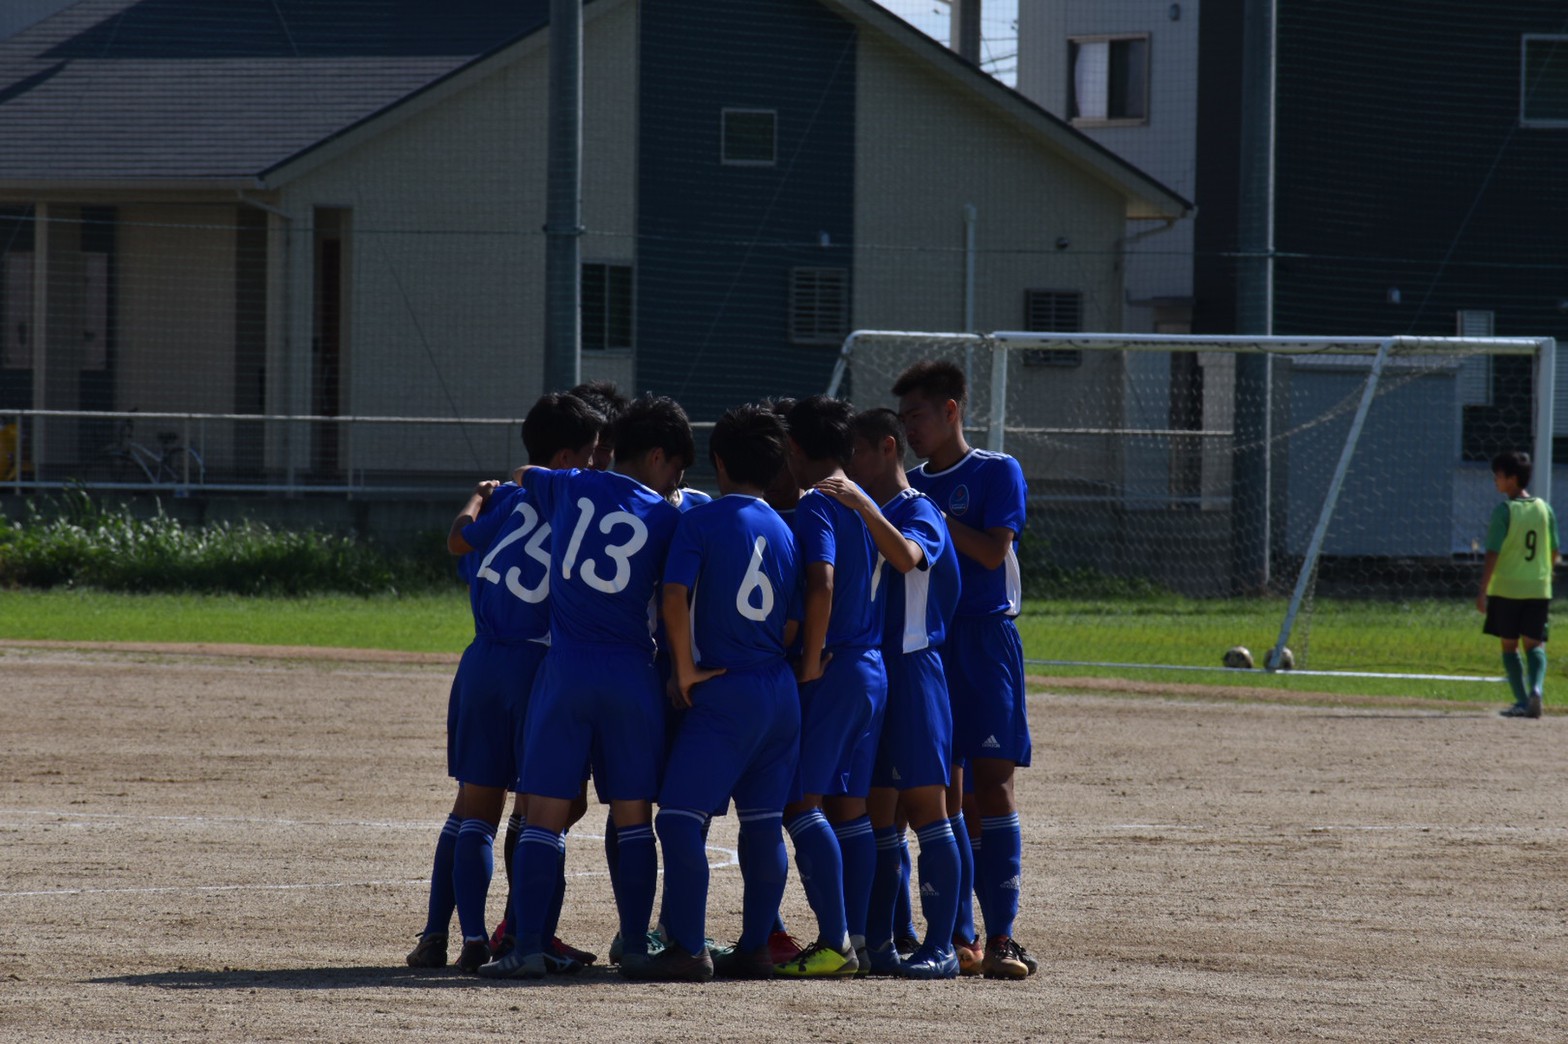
(925, 152)
(719, 241)
(446, 301)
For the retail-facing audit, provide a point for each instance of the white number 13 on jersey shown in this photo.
(621, 554)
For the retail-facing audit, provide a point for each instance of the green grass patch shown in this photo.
(437, 621)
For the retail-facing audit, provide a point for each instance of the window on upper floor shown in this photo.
(749, 137)
(1053, 311)
(1108, 79)
(1543, 80)
(818, 305)
(606, 307)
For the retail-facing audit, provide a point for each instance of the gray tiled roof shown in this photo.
(183, 90)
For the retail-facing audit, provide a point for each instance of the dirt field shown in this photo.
(212, 845)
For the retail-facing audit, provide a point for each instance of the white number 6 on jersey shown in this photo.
(755, 580)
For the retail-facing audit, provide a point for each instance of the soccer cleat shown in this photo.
(429, 953)
(559, 963)
(503, 947)
(1029, 961)
(906, 943)
(971, 958)
(1003, 960)
(618, 945)
(498, 937)
(929, 962)
(730, 963)
(476, 952)
(1532, 706)
(672, 964)
(862, 962)
(515, 966)
(1518, 710)
(879, 960)
(783, 946)
(819, 960)
(560, 949)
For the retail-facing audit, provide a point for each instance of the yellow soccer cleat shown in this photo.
(819, 961)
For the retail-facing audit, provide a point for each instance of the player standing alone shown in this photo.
(1516, 581)
(983, 495)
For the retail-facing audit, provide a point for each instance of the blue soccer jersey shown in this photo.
(687, 498)
(508, 570)
(827, 531)
(922, 601)
(610, 536)
(738, 558)
(984, 490)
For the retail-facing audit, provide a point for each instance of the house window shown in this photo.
(750, 137)
(818, 305)
(1053, 311)
(1543, 81)
(1108, 79)
(607, 307)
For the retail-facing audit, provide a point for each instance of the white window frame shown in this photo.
(724, 144)
(1110, 39)
(1525, 41)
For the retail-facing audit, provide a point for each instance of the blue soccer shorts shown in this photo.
(488, 710)
(740, 738)
(840, 723)
(917, 728)
(984, 661)
(598, 705)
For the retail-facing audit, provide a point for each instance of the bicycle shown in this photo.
(172, 465)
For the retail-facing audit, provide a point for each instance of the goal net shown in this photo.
(1188, 494)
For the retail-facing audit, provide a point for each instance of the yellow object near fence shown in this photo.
(9, 458)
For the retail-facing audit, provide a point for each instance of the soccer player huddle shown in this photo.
(828, 645)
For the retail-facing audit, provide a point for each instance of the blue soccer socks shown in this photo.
(1534, 669)
(903, 913)
(764, 871)
(638, 875)
(964, 922)
(442, 898)
(537, 867)
(552, 918)
(685, 876)
(884, 887)
(473, 863)
(821, 867)
(858, 849)
(940, 880)
(999, 871)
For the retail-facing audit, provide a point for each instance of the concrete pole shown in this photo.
(563, 191)
(964, 28)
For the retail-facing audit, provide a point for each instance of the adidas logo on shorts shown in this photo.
(895, 773)
(991, 744)
(1013, 884)
(927, 888)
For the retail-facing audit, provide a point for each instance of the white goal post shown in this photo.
(1245, 467)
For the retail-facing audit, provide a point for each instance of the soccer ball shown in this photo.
(1287, 659)
(1237, 657)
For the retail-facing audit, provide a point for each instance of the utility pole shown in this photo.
(564, 200)
(1252, 499)
(964, 28)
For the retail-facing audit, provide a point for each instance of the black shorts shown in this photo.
(1512, 618)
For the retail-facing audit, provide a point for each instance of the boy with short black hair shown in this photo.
(729, 582)
(1516, 581)
(983, 495)
(843, 688)
(597, 693)
(504, 544)
(921, 591)
(608, 399)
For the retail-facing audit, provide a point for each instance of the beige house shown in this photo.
(239, 224)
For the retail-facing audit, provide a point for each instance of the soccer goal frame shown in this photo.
(993, 360)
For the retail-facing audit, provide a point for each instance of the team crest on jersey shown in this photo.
(958, 503)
